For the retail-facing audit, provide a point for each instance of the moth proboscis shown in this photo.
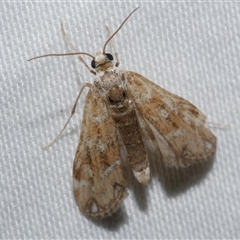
(124, 114)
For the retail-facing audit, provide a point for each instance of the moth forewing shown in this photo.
(177, 125)
(98, 183)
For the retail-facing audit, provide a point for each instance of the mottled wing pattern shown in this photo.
(98, 183)
(177, 125)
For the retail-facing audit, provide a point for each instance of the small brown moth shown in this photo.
(124, 114)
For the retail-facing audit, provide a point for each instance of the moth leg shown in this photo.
(113, 46)
(75, 50)
(72, 113)
(218, 125)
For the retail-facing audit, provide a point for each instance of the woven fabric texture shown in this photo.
(189, 48)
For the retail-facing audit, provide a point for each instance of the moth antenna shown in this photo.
(61, 54)
(104, 47)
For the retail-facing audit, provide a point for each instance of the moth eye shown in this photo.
(109, 56)
(93, 64)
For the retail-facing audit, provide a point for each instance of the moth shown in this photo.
(125, 114)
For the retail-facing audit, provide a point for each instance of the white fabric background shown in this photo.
(189, 48)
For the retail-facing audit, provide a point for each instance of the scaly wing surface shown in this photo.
(98, 182)
(177, 125)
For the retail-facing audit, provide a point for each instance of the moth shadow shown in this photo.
(113, 222)
(140, 194)
(139, 191)
(178, 180)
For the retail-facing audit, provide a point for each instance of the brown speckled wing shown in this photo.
(177, 125)
(98, 183)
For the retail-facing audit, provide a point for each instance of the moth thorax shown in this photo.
(116, 93)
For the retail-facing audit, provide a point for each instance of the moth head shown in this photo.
(102, 61)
